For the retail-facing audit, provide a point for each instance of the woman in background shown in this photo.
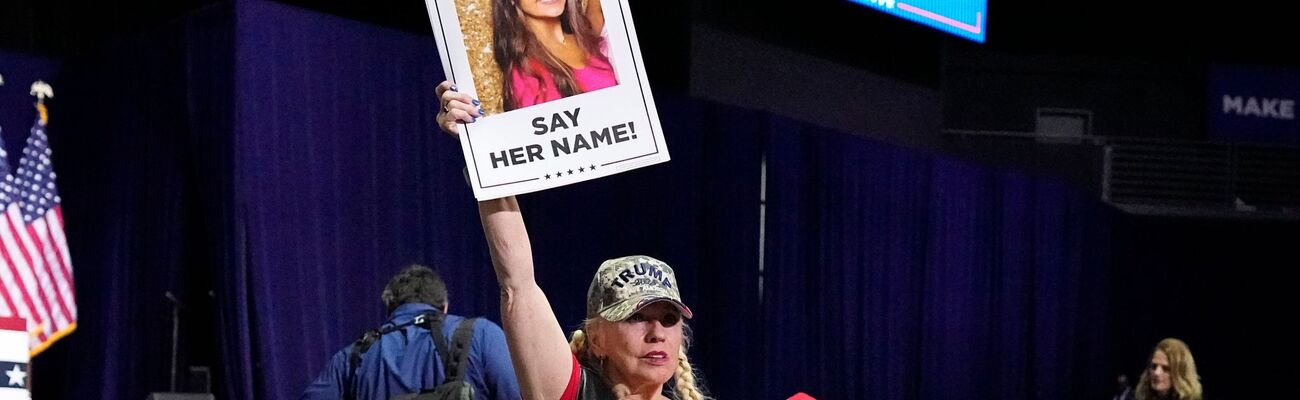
(1171, 375)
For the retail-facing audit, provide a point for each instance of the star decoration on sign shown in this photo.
(17, 377)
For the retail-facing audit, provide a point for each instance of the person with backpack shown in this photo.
(400, 359)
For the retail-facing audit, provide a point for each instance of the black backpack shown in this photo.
(454, 359)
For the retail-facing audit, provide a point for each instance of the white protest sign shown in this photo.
(564, 87)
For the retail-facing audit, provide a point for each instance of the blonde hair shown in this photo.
(1182, 372)
(685, 386)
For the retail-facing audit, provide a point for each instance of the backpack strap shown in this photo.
(455, 359)
(461, 340)
(434, 325)
(359, 347)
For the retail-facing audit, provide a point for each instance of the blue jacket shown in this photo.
(404, 362)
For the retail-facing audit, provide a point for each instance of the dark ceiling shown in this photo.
(832, 29)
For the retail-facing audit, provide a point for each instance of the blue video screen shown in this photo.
(964, 18)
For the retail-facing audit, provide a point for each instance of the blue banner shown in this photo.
(1254, 105)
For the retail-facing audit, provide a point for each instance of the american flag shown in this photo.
(35, 267)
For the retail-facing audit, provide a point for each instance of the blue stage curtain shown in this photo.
(131, 128)
(893, 273)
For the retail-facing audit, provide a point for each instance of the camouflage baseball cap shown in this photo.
(624, 285)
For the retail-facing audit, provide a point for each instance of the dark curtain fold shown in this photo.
(135, 192)
(341, 178)
(16, 111)
(895, 274)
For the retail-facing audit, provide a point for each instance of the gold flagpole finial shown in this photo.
(42, 90)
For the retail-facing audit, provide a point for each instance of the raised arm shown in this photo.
(538, 349)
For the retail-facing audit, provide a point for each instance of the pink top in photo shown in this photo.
(598, 74)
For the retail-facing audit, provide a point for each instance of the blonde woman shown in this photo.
(633, 343)
(1171, 375)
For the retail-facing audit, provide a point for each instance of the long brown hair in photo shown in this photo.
(515, 45)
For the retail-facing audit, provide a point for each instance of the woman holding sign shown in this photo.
(549, 49)
(633, 343)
